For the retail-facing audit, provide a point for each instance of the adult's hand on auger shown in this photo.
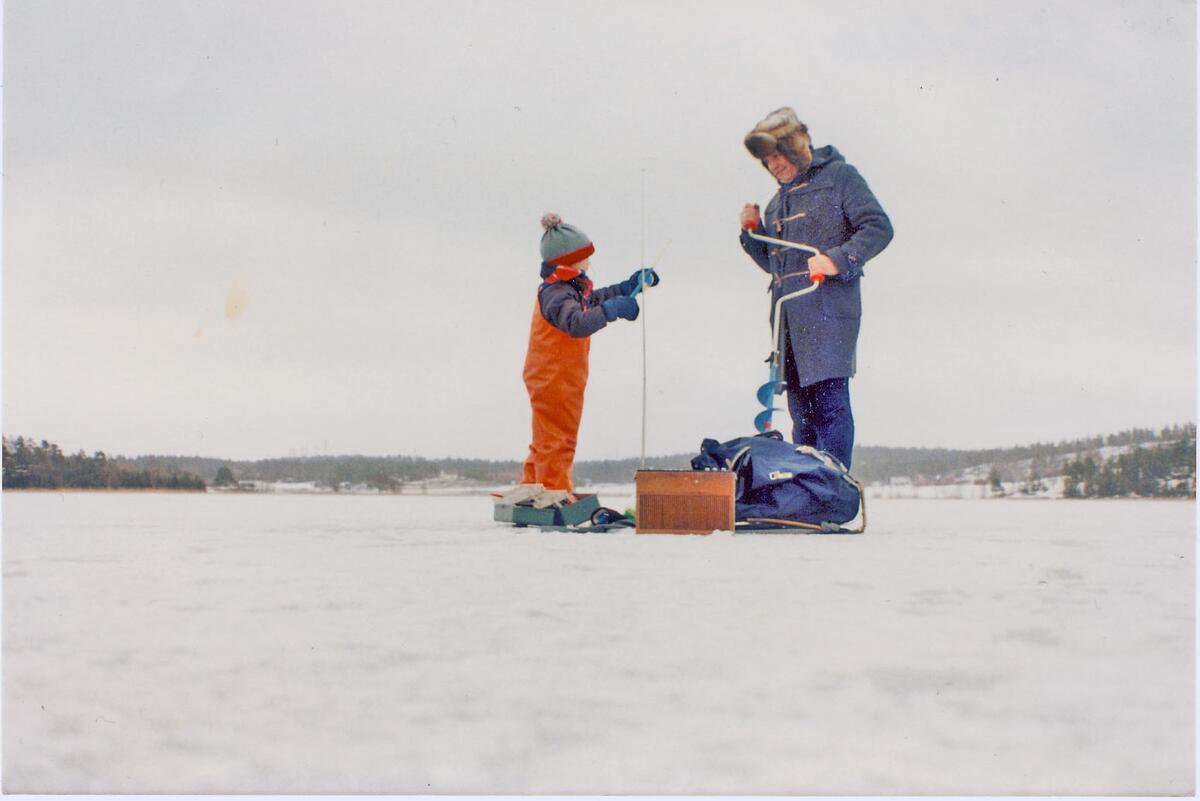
(749, 219)
(821, 265)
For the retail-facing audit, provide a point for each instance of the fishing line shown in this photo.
(640, 290)
(642, 281)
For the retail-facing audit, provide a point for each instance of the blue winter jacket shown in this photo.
(569, 307)
(830, 207)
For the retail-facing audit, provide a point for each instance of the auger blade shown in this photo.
(767, 392)
(763, 422)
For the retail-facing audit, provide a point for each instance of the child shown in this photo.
(567, 313)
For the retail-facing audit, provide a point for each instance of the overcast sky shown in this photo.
(255, 229)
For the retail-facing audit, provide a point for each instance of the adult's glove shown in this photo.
(630, 284)
(621, 306)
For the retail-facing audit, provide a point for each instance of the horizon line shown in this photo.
(518, 460)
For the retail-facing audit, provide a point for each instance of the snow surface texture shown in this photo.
(252, 644)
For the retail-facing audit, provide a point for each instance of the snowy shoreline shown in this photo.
(898, 490)
(878, 491)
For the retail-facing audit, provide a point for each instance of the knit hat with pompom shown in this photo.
(563, 244)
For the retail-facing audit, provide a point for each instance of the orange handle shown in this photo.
(752, 225)
(816, 278)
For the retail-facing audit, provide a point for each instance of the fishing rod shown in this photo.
(642, 278)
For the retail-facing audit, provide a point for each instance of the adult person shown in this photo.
(823, 202)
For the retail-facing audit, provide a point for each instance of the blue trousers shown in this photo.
(821, 415)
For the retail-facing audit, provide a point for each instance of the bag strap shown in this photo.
(734, 462)
(862, 504)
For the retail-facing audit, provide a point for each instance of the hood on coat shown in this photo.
(821, 157)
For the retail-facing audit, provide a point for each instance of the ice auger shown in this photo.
(767, 392)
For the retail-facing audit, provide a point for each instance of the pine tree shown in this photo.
(225, 477)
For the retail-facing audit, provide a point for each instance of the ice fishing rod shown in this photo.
(642, 277)
(766, 393)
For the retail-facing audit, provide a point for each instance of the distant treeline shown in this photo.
(872, 463)
(1157, 463)
(43, 465)
(1165, 471)
(388, 473)
(391, 473)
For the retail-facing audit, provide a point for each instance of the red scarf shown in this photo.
(568, 274)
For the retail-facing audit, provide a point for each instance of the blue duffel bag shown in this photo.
(780, 483)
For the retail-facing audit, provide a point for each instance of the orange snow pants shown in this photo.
(556, 373)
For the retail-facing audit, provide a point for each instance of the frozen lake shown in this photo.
(401, 644)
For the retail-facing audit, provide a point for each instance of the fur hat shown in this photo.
(781, 130)
(563, 244)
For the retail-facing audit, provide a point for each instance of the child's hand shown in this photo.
(630, 285)
(620, 306)
(648, 276)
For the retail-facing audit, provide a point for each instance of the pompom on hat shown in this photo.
(563, 244)
(782, 131)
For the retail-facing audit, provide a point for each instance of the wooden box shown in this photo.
(684, 501)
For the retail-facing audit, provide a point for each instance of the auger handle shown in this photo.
(786, 243)
(749, 227)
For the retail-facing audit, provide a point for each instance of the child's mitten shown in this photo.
(620, 307)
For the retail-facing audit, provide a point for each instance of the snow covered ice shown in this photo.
(402, 644)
